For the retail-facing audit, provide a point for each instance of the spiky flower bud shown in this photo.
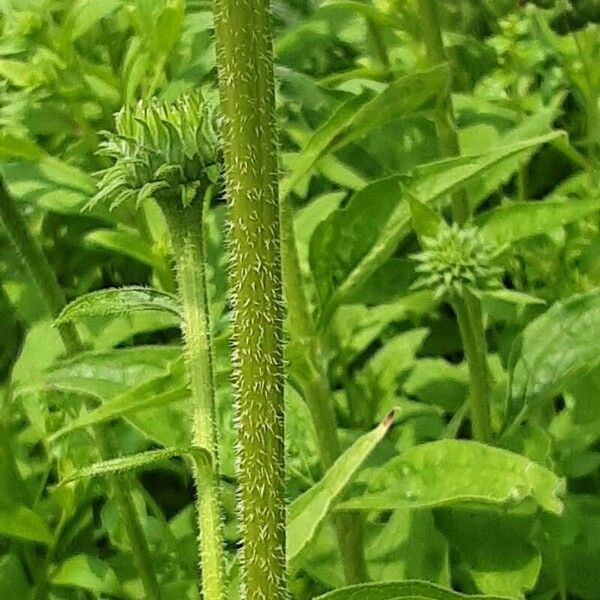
(160, 150)
(455, 260)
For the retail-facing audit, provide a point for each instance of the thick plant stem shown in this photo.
(468, 311)
(186, 227)
(42, 274)
(444, 118)
(246, 86)
(317, 393)
(468, 314)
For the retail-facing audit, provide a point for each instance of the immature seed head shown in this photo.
(454, 260)
(160, 150)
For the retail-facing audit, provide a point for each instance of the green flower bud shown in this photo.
(455, 260)
(160, 150)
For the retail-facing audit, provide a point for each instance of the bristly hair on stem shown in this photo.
(243, 36)
(170, 152)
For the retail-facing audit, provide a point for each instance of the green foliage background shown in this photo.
(357, 100)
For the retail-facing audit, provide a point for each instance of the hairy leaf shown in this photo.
(119, 301)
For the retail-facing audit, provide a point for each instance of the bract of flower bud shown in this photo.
(166, 151)
(455, 260)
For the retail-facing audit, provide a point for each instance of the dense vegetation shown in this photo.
(390, 235)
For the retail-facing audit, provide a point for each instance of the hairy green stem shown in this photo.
(468, 312)
(317, 393)
(246, 86)
(186, 227)
(42, 274)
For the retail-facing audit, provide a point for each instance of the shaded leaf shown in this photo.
(23, 523)
(552, 350)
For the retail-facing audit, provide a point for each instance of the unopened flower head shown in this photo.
(160, 150)
(457, 259)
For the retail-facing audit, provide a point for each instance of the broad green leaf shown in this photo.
(355, 118)
(119, 301)
(52, 185)
(448, 472)
(353, 242)
(106, 373)
(84, 14)
(517, 220)
(559, 345)
(156, 392)
(13, 147)
(494, 547)
(88, 573)
(307, 513)
(386, 542)
(400, 590)
(509, 305)
(126, 242)
(135, 461)
(21, 522)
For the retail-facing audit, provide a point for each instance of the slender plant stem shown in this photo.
(468, 311)
(42, 274)
(315, 385)
(186, 227)
(379, 43)
(468, 314)
(243, 33)
(444, 118)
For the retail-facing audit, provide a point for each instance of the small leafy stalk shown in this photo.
(42, 274)
(245, 69)
(170, 153)
(312, 378)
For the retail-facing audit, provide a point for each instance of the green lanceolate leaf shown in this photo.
(307, 513)
(426, 222)
(119, 301)
(454, 471)
(517, 220)
(21, 522)
(137, 461)
(155, 392)
(353, 242)
(403, 98)
(399, 590)
(560, 344)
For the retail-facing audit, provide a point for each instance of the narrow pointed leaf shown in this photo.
(307, 513)
(517, 220)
